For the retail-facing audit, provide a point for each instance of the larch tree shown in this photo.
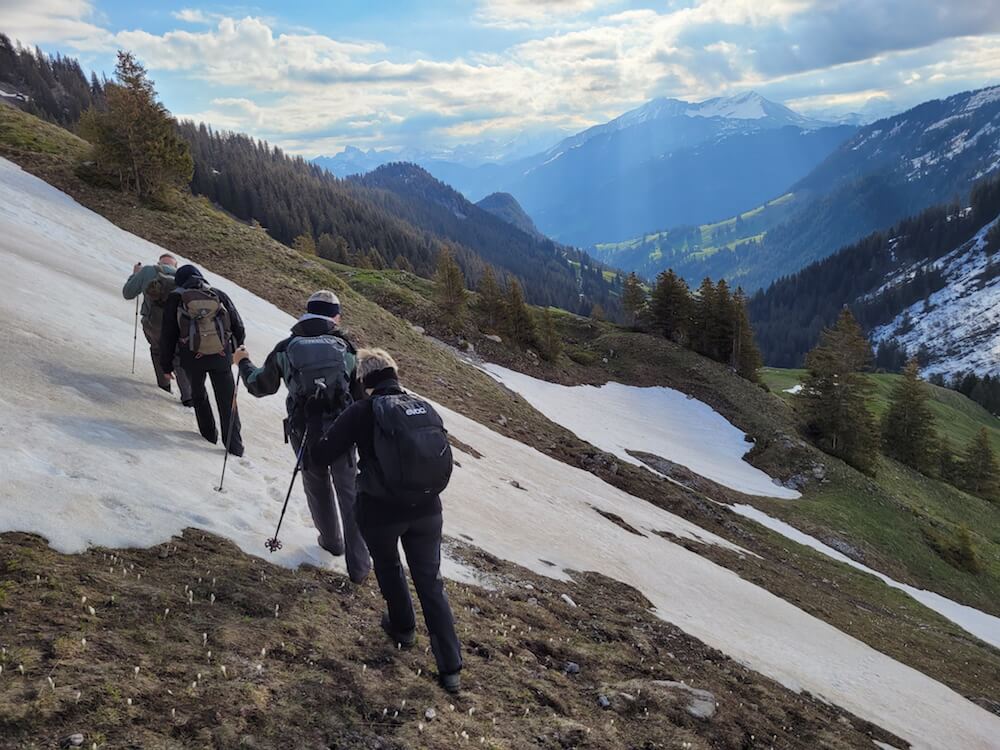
(908, 433)
(520, 326)
(135, 139)
(548, 338)
(449, 287)
(980, 473)
(491, 301)
(304, 244)
(633, 298)
(835, 394)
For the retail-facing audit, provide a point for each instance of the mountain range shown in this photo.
(886, 171)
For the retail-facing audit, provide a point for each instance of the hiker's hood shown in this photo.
(188, 276)
(313, 325)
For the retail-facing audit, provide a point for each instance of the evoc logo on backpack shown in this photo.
(415, 410)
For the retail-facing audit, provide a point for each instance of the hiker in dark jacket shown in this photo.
(316, 337)
(155, 283)
(385, 521)
(214, 360)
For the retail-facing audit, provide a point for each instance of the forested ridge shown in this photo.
(789, 316)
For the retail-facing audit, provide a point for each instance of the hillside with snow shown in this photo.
(95, 456)
(958, 326)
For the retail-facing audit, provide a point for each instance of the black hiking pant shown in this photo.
(422, 545)
(218, 369)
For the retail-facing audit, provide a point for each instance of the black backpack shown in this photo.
(412, 449)
(317, 372)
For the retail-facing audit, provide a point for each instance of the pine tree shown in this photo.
(835, 394)
(135, 139)
(722, 325)
(670, 306)
(304, 244)
(520, 327)
(908, 433)
(980, 473)
(549, 341)
(449, 287)
(746, 356)
(491, 301)
(633, 298)
(703, 318)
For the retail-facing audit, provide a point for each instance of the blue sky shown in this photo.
(314, 77)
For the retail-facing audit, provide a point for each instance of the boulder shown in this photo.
(494, 338)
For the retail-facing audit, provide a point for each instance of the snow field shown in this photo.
(91, 455)
(662, 421)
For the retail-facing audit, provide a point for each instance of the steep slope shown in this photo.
(888, 170)
(80, 425)
(928, 280)
(506, 207)
(546, 270)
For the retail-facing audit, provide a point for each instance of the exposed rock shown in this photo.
(516, 485)
(571, 668)
(494, 338)
(73, 740)
(603, 702)
(566, 598)
(430, 714)
(419, 330)
(700, 703)
(502, 420)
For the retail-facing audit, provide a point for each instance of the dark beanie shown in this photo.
(325, 303)
(185, 273)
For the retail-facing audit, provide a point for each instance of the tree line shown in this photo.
(712, 321)
(52, 88)
(835, 397)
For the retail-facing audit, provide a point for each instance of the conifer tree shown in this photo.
(520, 327)
(908, 433)
(703, 318)
(491, 301)
(549, 341)
(633, 298)
(980, 472)
(449, 287)
(304, 244)
(135, 139)
(835, 394)
(746, 356)
(401, 263)
(722, 324)
(670, 306)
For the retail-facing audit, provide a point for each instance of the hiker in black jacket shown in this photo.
(205, 349)
(318, 349)
(385, 521)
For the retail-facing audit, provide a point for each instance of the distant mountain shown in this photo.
(670, 162)
(888, 170)
(929, 285)
(551, 274)
(506, 207)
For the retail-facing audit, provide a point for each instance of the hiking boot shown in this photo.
(451, 683)
(337, 550)
(188, 403)
(405, 639)
(359, 578)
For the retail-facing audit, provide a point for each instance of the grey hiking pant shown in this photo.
(330, 487)
(152, 335)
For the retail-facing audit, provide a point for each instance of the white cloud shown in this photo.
(52, 22)
(519, 14)
(192, 15)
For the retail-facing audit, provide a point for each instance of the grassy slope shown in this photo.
(899, 510)
(271, 270)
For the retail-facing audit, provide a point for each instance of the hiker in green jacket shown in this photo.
(155, 283)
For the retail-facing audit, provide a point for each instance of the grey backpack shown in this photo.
(317, 372)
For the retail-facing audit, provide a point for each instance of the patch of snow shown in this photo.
(982, 98)
(980, 624)
(113, 461)
(795, 389)
(662, 421)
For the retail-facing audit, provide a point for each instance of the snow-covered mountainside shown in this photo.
(94, 456)
(958, 326)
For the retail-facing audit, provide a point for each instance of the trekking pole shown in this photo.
(135, 334)
(229, 433)
(274, 544)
